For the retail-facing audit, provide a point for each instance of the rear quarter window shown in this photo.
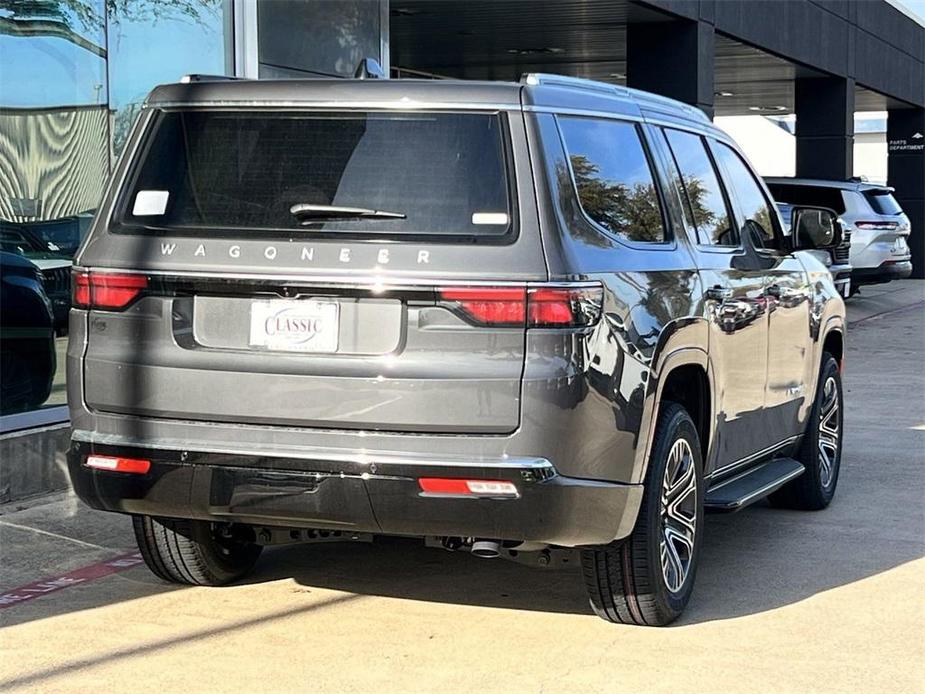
(434, 174)
(613, 177)
(882, 202)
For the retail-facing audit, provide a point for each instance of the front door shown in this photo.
(788, 386)
(791, 380)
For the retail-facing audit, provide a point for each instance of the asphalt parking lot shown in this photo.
(785, 601)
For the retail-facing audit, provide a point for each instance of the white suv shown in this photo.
(879, 229)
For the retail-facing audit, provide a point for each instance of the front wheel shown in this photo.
(192, 552)
(648, 578)
(820, 451)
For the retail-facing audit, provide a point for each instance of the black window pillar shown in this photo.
(825, 127)
(905, 137)
(674, 59)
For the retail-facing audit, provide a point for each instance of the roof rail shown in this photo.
(644, 99)
(186, 79)
(541, 78)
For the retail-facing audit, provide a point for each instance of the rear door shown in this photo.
(734, 303)
(356, 270)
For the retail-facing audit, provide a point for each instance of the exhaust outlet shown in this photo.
(486, 549)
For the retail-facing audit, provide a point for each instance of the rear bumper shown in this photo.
(885, 272)
(360, 494)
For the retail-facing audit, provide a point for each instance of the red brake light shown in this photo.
(81, 289)
(107, 290)
(113, 463)
(537, 306)
(498, 306)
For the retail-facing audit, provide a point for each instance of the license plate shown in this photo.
(304, 325)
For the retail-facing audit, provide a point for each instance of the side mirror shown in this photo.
(814, 228)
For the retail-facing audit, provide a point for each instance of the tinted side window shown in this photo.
(882, 202)
(814, 196)
(613, 178)
(703, 195)
(759, 224)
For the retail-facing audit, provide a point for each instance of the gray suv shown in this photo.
(506, 317)
(875, 223)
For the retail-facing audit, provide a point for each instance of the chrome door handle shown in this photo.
(717, 293)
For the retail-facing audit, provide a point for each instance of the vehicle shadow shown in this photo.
(758, 560)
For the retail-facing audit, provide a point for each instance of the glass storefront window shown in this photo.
(153, 42)
(73, 74)
(54, 152)
(342, 34)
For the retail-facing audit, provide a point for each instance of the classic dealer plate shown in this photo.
(304, 325)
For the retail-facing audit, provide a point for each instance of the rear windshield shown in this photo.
(882, 202)
(435, 174)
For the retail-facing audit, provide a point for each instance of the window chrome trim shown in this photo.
(391, 105)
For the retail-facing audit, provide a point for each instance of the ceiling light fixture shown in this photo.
(767, 109)
(723, 93)
(534, 51)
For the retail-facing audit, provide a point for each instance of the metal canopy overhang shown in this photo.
(502, 39)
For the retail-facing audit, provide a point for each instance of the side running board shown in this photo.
(752, 485)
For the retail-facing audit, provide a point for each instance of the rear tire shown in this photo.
(647, 579)
(192, 552)
(820, 451)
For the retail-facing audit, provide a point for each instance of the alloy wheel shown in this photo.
(678, 515)
(829, 432)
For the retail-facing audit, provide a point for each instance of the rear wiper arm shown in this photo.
(307, 213)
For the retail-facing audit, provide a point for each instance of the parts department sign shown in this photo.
(914, 143)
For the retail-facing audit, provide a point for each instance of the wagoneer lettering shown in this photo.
(494, 324)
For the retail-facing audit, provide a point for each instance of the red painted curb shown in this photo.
(30, 591)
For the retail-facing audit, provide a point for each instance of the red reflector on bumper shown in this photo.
(115, 464)
(457, 487)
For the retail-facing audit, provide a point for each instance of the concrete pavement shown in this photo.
(785, 601)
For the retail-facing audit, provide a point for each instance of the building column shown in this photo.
(825, 127)
(674, 59)
(905, 136)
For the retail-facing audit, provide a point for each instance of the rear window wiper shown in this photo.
(307, 213)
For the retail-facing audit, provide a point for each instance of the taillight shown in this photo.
(497, 306)
(535, 306)
(576, 306)
(136, 466)
(877, 226)
(106, 290)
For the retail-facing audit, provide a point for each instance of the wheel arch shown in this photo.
(834, 343)
(685, 377)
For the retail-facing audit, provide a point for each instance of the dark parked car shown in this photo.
(53, 264)
(27, 336)
(502, 316)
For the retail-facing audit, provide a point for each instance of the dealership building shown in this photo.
(74, 73)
